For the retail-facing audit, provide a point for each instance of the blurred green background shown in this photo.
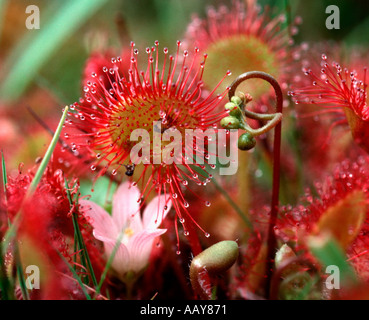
(54, 55)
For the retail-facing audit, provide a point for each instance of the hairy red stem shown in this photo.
(272, 241)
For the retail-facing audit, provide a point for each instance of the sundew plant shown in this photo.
(188, 150)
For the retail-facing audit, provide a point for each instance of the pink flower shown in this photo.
(137, 234)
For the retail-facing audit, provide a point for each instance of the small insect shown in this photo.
(165, 124)
(130, 169)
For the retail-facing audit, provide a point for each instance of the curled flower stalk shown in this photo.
(248, 142)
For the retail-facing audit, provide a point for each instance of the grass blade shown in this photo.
(5, 179)
(85, 258)
(225, 194)
(46, 158)
(32, 53)
(110, 261)
(242, 215)
(75, 275)
(6, 286)
(20, 275)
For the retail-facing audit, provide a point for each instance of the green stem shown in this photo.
(22, 282)
(46, 158)
(75, 275)
(110, 261)
(5, 181)
(239, 211)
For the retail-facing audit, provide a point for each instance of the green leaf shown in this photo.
(5, 179)
(328, 251)
(37, 47)
(103, 192)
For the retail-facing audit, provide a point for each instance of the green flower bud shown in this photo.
(234, 110)
(217, 258)
(230, 123)
(246, 141)
(213, 261)
(236, 100)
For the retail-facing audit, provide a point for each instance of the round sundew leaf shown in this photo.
(359, 129)
(240, 54)
(344, 220)
(256, 278)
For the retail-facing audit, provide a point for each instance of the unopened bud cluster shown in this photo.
(237, 120)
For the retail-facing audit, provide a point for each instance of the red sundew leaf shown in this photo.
(344, 220)
(359, 129)
(256, 278)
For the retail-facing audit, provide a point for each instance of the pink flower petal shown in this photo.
(155, 212)
(122, 260)
(140, 246)
(125, 205)
(100, 220)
